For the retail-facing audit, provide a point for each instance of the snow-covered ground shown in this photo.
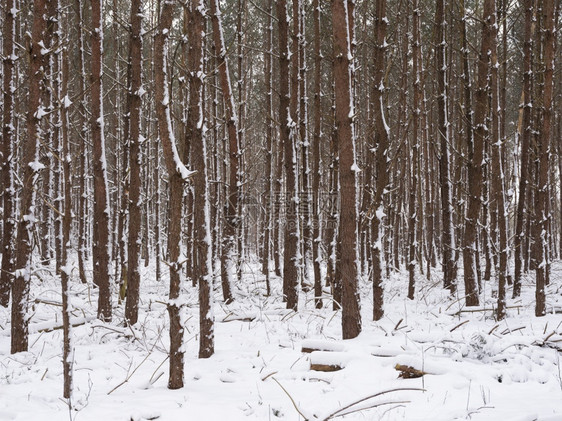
(477, 368)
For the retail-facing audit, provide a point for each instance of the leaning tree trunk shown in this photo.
(351, 316)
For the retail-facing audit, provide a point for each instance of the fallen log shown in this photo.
(408, 372)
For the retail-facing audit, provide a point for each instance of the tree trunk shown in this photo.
(290, 266)
(381, 143)
(8, 161)
(447, 240)
(525, 135)
(135, 139)
(178, 175)
(202, 256)
(31, 168)
(232, 220)
(268, 72)
(547, 20)
(351, 316)
(65, 270)
(100, 251)
(316, 172)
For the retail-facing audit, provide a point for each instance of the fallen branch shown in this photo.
(291, 398)
(341, 411)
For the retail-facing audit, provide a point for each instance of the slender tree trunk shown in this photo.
(135, 120)
(351, 316)
(232, 220)
(316, 171)
(496, 144)
(178, 175)
(268, 71)
(412, 241)
(381, 142)
(541, 215)
(202, 257)
(525, 135)
(305, 197)
(290, 266)
(101, 243)
(65, 270)
(82, 211)
(31, 169)
(8, 154)
(447, 240)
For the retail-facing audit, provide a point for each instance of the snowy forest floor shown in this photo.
(477, 368)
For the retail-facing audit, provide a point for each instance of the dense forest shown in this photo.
(330, 144)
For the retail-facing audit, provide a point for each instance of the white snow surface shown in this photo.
(478, 368)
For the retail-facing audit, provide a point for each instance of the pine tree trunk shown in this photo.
(65, 270)
(447, 240)
(178, 175)
(412, 241)
(202, 257)
(8, 161)
(381, 142)
(232, 220)
(547, 19)
(100, 251)
(290, 266)
(351, 316)
(316, 172)
(268, 72)
(135, 138)
(525, 135)
(26, 223)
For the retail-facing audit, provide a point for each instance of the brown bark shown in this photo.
(290, 269)
(135, 101)
(100, 249)
(525, 131)
(381, 142)
(316, 139)
(26, 220)
(82, 211)
(268, 71)
(496, 144)
(447, 240)
(232, 220)
(202, 265)
(66, 227)
(415, 143)
(476, 158)
(541, 213)
(351, 316)
(177, 176)
(8, 164)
